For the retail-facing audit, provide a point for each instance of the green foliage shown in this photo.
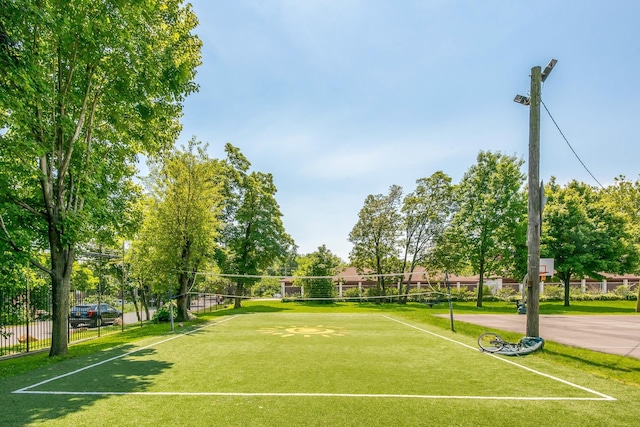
(163, 314)
(508, 294)
(426, 213)
(626, 292)
(253, 235)
(80, 99)
(461, 294)
(488, 230)
(182, 220)
(552, 293)
(266, 287)
(83, 277)
(376, 235)
(323, 266)
(585, 234)
(352, 293)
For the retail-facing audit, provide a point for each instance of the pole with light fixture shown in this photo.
(535, 199)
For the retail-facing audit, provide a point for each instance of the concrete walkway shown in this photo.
(607, 334)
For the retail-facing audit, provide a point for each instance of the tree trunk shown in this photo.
(182, 300)
(480, 285)
(132, 295)
(239, 291)
(638, 301)
(404, 299)
(144, 303)
(183, 281)
(61, 263)
(566, 280)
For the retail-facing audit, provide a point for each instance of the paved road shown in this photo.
(607, 334)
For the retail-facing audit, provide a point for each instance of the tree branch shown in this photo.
(18, 249)
(64, 167)
(29, 208)
(9, 239)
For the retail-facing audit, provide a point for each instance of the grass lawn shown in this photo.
(274, 363)
(622, 307)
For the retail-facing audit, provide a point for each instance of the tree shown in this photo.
(584, 234)
(142, 257)
(376, 235)
(83, 277)
(79, 100)
(486, 228)
(624, 196)
(425, 214)
(323, 266)
(253, 236)
(184, 215)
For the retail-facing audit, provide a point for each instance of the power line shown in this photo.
(567, 141)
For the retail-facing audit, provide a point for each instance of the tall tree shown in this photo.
(322, 265)
(253, 235)
(624, 196)
(183, 218)
(376, 236)
(490, 206)
(79, 100)
(584, 234)
(425, 214)
(142, 257)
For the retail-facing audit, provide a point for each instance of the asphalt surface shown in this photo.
(607, 334)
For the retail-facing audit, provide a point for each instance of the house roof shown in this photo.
(350, 276)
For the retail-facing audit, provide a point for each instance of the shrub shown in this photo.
(163, 314)
(319, 288)
(351, 293)
(609, 296)
(625, 292)
(508, 294)
(417, 295)
(582, 297)
(462, 294)
(552, 293)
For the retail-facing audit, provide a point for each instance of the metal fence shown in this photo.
(26, 325)
(25, 320)
(25, 316)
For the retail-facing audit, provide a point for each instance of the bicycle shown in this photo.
(493, 343)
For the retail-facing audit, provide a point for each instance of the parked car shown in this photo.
(93, 315)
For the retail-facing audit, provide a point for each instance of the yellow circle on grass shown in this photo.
(305, 331)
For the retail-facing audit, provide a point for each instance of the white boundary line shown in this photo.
(588, 390)
(24, 390)
(27, 390)
(240, 394)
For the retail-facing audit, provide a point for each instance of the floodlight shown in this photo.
(521, 99)
(548, 68)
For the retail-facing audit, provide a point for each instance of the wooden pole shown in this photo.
(533, 231)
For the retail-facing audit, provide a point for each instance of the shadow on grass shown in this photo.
(74, 385)
(604, 362)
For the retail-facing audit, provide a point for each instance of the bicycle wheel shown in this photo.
(490, 342)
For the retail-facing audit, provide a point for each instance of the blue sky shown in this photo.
(341, 99)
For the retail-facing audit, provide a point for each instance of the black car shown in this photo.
(93, 315)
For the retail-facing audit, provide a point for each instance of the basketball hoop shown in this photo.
(546, 267)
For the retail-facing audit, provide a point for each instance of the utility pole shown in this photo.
(535, 198)
(533, 230)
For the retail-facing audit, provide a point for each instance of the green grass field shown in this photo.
(290, 364)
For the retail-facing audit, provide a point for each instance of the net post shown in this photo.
(170, 303)
(446, 281)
